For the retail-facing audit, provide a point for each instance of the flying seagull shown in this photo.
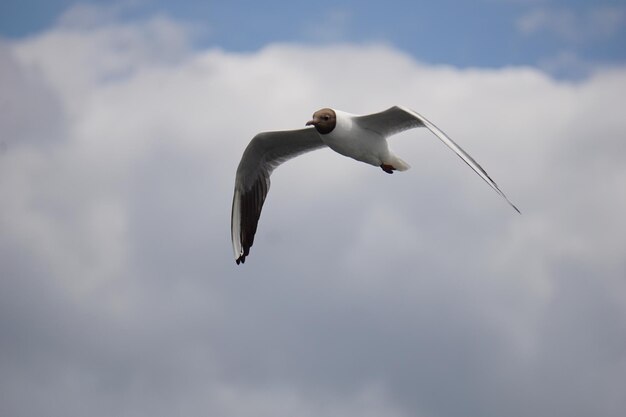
(363, 138)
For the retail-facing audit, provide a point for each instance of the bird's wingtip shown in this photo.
(511, 204)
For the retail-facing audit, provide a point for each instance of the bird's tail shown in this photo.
(397, 163)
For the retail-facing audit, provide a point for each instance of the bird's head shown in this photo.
(324, 121)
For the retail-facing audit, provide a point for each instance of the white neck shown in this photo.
(344, 122)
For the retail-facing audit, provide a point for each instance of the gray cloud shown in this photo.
(365, 294)
(29, 111)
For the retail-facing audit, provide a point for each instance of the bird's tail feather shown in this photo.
(398, 163)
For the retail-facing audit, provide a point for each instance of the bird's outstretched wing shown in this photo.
(398, 119)
(264, 153)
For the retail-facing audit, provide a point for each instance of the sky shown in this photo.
(567, 38)
(415, 294)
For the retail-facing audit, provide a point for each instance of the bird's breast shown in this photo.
(361, 144)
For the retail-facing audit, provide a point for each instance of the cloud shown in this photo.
(410, 294)
(29, 109)
(601, 22)
(88, 16)
(330, 28)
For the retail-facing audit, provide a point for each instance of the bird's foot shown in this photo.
(387, 168)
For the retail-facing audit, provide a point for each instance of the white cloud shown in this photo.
(418, 293)
(86, 16)
(600, 22)
(73, 58)
(332, 27)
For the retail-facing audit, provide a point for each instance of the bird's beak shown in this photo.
(311, 122)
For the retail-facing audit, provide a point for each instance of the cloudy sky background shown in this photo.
(415, 294)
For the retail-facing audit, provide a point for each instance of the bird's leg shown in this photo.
(387, 168)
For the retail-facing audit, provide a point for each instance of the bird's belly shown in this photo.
(369, 148)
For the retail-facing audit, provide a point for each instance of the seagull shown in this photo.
(363, 138)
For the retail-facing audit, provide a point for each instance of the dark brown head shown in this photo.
(324, 121)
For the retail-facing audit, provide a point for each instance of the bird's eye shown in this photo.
(326, 117)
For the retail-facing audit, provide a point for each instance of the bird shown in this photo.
(361, 137)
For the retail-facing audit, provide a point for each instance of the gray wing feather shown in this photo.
(264, 153)
(398, 119)
(389, 122)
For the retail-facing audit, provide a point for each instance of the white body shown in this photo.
(355, 141)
